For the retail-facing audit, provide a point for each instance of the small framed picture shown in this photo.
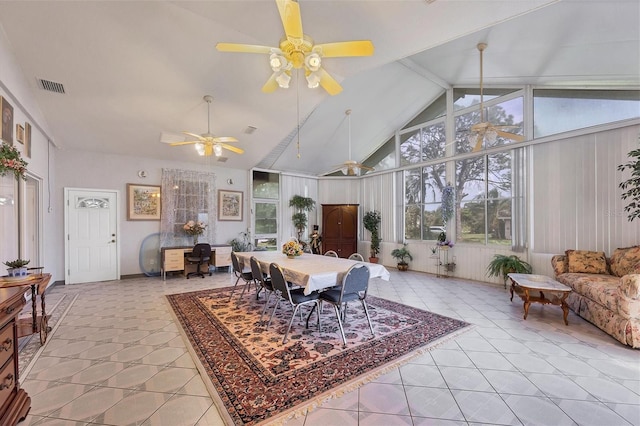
(7, 121)
(27, 140)
(230, 205)
(143, 202)
(19, 133)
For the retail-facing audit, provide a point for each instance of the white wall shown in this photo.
(82, 169)
(19, 92)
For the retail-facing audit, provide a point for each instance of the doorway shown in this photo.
(92, 248)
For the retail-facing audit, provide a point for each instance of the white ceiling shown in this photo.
(135, 69)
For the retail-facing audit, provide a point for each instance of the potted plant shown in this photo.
(501, 265)
(371, 222)
(631, 186)
(299, 218)
(17, 268)
(401, 255)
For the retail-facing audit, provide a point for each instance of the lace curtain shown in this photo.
(187, 195)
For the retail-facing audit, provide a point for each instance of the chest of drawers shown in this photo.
(14, 402)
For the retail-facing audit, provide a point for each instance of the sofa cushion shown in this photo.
(559, 264)
(588, 262)
(630, 286)
(625, 260)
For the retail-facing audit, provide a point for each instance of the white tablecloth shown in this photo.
(311, 271)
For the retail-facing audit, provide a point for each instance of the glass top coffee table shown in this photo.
(540, 289)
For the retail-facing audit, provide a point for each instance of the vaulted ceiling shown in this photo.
(136, 70)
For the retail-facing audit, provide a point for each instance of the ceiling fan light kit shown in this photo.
(351, 167)
(297, 50)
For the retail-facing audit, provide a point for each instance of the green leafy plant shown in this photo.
(401, 255)
(243, 243)
(371, 222)
(631, 186)
(501, 265)
(299, 218)
(18, 263)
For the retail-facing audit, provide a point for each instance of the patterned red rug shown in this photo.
(255, 379)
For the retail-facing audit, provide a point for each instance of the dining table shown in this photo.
(313, 272)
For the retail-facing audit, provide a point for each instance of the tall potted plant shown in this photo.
(371, 222)
(303, 205)
(631, 186)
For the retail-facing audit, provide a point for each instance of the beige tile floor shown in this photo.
(115, 357)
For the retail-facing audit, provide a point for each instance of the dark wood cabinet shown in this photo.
(14, 402)
(340, 228)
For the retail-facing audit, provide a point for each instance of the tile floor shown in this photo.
(115, 357)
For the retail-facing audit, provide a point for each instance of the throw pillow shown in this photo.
(588, 262)
(624, 260)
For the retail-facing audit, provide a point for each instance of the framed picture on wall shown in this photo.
(19, 133)
(143, 202)
(7, 121)
(229, 205)
(27, 140)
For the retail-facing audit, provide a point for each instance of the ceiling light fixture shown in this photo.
(200, 148)
(217, 150)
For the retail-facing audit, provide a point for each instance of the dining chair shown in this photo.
(246, 276)
(296, 297)
(200, 255)
(331, 253)
(356, 256)
(263, 281)
(355, 285)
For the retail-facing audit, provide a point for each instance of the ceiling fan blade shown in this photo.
(200, 138)
(223, 139)
(507, 135)
(232, 148)
(329, 83)
(363, 167)
(183, 143)
(478, 146)
(291, 20)
(243, 48)
(271, 85)
(346, 48)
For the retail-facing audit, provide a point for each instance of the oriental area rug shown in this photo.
(255, 379)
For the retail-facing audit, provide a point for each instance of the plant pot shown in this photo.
(17, 272)
(373, 260)
(403, 266)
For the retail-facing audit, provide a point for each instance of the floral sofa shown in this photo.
(606, 291)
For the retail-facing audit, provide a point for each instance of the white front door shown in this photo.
(91, 228)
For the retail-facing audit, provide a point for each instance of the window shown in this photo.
(485, 197)
(556, 111)
(422, 144)
(266, 196)
(423, 202)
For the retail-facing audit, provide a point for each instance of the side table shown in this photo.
(532, 288)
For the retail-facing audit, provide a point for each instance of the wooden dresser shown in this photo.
(14, 402)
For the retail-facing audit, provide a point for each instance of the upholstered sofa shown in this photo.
(606, 291)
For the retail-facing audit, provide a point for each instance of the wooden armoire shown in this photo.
(340, 228)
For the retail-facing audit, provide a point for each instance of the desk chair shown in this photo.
(200, 255)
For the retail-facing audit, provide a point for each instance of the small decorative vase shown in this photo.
(195, 239)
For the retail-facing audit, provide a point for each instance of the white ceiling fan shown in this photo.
(485, 129)
(298, 51)
(351, 167)
(207, 144)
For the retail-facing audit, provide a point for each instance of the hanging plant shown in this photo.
(11, 161)
(631, 186)
(448, 207)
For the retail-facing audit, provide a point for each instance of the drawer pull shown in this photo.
(10, 309)
(7, 345)
(7, 382)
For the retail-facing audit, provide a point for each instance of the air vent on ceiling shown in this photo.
(222, 159)
(250, 129)
(51, 86)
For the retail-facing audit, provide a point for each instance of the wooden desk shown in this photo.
(38, 323)
(15, 403)
(172, 258)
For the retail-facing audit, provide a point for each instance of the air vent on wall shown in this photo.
(50, 86)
